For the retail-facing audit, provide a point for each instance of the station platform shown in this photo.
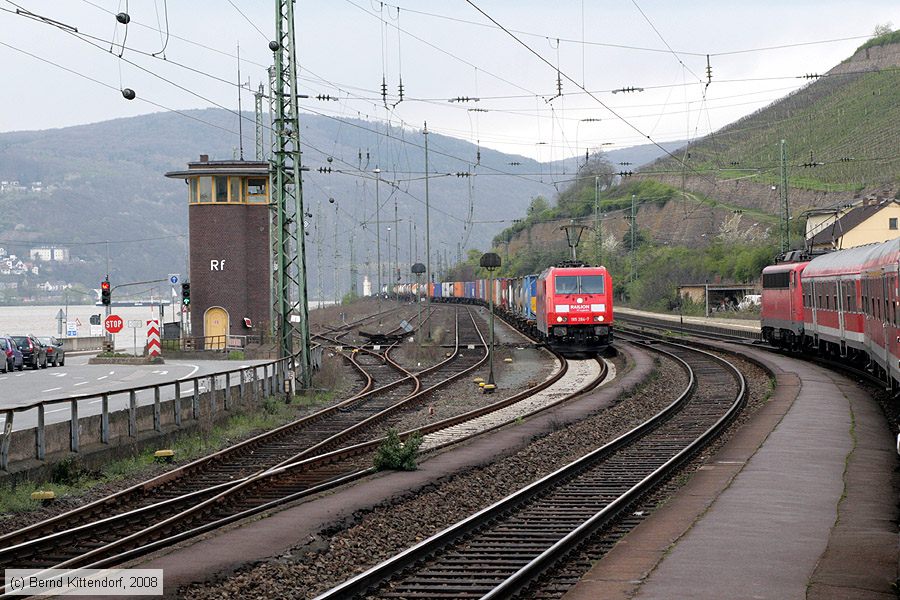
(799, 504)
(742, 324)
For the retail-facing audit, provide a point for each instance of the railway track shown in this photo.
(507, 548)
(167, 505)
(118, 537)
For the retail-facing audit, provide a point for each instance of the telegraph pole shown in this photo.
(395, 276)
(293, 308)
(598, 233)
(633, 270)
(378, 232)
(337, 298)
(785, 207)
(427, 238)
(258, 113)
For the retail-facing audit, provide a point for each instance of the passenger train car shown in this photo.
(844, 303)
(568, 306)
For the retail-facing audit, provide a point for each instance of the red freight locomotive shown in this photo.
(575, 308)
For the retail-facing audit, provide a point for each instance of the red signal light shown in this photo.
(104, 285)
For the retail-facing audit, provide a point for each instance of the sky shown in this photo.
(182, 55)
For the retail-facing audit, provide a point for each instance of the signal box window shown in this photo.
(892, 223)
(221, 189)
(205, 189)
(234, 183)
(256, 190)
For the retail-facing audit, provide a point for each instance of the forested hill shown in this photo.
(104, 181)
(841, 131)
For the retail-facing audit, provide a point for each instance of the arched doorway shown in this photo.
(215, 328)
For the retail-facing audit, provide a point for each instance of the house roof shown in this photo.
(848, 222)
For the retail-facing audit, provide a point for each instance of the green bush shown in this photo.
(396, 455)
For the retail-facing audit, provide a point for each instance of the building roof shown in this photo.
(223, 167)
(846, 223)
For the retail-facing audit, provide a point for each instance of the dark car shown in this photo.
(34, 354)
(11, 354)
(56, 355)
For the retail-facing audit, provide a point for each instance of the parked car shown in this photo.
(12, 354)
(34, 354)
(56, 355)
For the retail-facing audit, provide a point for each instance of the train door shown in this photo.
(814, 310)
(890, 321)
(840, 307)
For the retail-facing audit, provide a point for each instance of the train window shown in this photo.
(847, 307)
(566, 284)
(776, 280)
(892, 223)
(592, 284)
(827, 302)
(835, 302)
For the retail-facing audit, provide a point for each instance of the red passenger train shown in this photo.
(844, 303)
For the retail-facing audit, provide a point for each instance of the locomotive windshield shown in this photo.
(579, 284)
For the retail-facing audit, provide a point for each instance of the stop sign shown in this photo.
(113, 324)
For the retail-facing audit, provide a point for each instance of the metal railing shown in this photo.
(230, 386)
(222, 343)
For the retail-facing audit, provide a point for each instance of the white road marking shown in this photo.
(51, 390)
(56, 410)
(191, 374)
(60, 374)
(82, 382)
(112, 372)
(104, 377)
(2, 378)
(96, 401)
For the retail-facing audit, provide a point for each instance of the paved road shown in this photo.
(78, 378)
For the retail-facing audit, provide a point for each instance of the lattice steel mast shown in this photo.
(292, 312)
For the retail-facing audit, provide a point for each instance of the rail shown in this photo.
(173, 403)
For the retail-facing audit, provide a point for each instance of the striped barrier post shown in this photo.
(154, 348)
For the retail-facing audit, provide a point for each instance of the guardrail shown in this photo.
(223, 343)
(224, 389)
(75, 344)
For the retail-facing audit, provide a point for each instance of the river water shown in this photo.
(41, 320)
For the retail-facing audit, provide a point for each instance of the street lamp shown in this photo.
(418, 270)
(490, 261)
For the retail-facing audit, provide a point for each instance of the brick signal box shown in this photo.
(230, 268)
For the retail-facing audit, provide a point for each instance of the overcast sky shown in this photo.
(442, 50)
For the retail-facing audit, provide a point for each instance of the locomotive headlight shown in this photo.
(599, 318)
(561, 319)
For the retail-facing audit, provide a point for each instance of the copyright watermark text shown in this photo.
(84, 582)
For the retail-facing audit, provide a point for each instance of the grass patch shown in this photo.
(69, 478)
